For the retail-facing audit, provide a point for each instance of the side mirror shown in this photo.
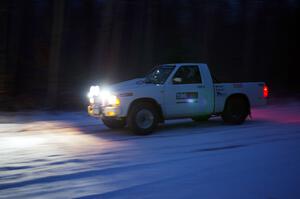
(177, 80)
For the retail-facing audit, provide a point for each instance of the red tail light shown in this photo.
(265, 91)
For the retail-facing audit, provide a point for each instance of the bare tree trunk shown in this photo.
(149, 33)
(103, 41)
(15, 19)
(114, 56)
(249, 39)
(3, 46)
(54, 63)
(136, 38)
(209, 29)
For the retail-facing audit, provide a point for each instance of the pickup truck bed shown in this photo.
(253, 91)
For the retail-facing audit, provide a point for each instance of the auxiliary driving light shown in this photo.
(103, 96)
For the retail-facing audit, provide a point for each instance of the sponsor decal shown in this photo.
(125, 94)
(186, 97)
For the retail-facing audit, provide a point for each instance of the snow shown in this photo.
(71, 155)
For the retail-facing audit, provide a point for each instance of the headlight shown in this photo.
(92, 100)
(94, 91)
(102, 96)
(107, 98)
(113, 100)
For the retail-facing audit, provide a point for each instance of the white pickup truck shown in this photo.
(169, 91)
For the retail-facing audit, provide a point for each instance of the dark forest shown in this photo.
(51, 51)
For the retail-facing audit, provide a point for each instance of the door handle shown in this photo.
(201, 86)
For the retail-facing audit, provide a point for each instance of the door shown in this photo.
(186, 95)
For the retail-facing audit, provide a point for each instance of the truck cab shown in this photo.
(182, 90)
(188, 91)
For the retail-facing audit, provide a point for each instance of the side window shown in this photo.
(187, 75)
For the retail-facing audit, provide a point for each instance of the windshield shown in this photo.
(159, 74)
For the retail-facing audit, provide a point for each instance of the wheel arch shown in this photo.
(238, 95)
(147, 100)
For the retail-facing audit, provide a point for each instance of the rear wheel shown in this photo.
(113, 123)
(143, 118)
(236, 110)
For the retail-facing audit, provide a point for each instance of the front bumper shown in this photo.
(99, 111)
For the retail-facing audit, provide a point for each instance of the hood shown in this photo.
(130, 84)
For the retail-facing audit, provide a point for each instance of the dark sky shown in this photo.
(115, 40)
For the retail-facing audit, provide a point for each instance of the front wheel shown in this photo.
(113, 123)
(143, 118)
(236, 110)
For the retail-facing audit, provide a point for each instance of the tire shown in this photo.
(236, 110)
(143, 118)
(201, 118)
(113, 123)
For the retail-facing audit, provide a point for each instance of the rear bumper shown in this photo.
(98, 111)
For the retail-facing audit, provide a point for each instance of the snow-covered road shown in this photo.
(70, 155)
